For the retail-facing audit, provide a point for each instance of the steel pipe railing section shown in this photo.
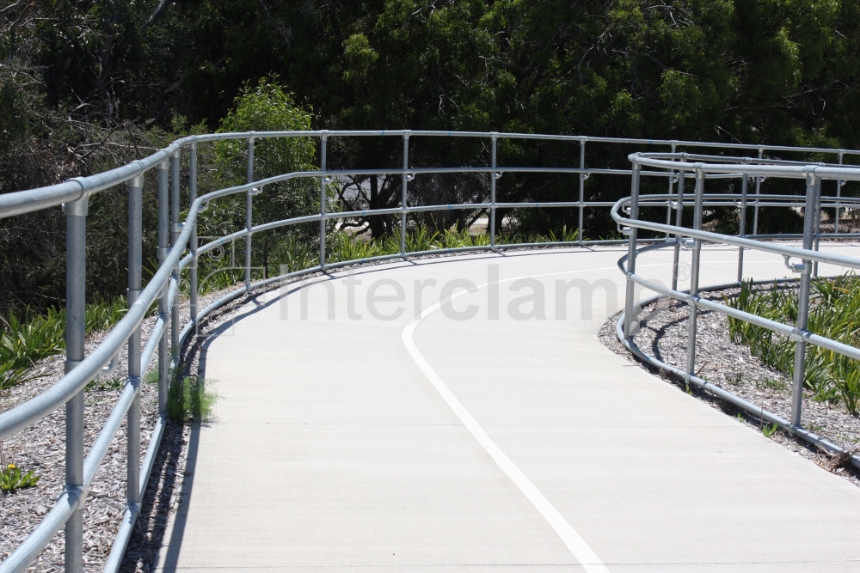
(814, 175)
(178, 250)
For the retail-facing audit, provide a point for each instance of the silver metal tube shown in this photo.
(323, 184)
(36, 199)
(163, 248)
(829, 258)
(135, 282)
(192, 196)
(679, 220)
(582, 176)
(175, 228)
(742, 225)
(117, 552)
(631, 254)
(813, 187)
(669, 205)
(816, 232)
(838, 197)
(36, 408)
(57, 395)
(403, 194)
(76, 315)
(493, 162)
(103, 441)
(59, 515)
(753, 409)
(758, 181)
(694, 274)
(249, 212)
(734, 170)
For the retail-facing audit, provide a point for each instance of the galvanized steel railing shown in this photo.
(178, 250)
(699, 169)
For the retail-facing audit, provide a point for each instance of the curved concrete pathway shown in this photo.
(459, 414)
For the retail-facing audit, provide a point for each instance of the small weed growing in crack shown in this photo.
(769, 431)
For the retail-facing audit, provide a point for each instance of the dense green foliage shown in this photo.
(834, 313)
(91, 84)
(263, 107)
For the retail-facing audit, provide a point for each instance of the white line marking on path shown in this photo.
(574, 542)
(569, 536)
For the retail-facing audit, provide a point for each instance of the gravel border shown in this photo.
(41, 448)
(732, 367)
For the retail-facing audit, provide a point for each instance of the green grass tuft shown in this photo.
(190, 398)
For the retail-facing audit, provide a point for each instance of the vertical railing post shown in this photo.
(813, 188)
(192, 271)
(175, 230)
(742, 224)
(582, 177)
(816, 232)
(494, 138)
(135, 282)
(403, 193)
(679, 221)
(76, 280)
(163, 248)
(758, 181)
(249, 212)
(694, 273)
(672, 179)
(839, 184)
(631, 252)
(323, 195)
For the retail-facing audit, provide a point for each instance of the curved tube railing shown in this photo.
(625, 212)
(178, 251)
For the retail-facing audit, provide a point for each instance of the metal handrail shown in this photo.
(808, 254)
(178, 251)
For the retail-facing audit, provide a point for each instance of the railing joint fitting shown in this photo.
(78, 493)
(79, 207)
(804, 267)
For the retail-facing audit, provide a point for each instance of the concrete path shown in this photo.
(459, 414)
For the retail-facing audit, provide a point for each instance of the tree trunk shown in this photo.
(377, 224)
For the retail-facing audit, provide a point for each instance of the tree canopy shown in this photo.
(87, 84)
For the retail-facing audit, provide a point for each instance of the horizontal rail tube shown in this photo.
(20, 202)
(709, 237)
